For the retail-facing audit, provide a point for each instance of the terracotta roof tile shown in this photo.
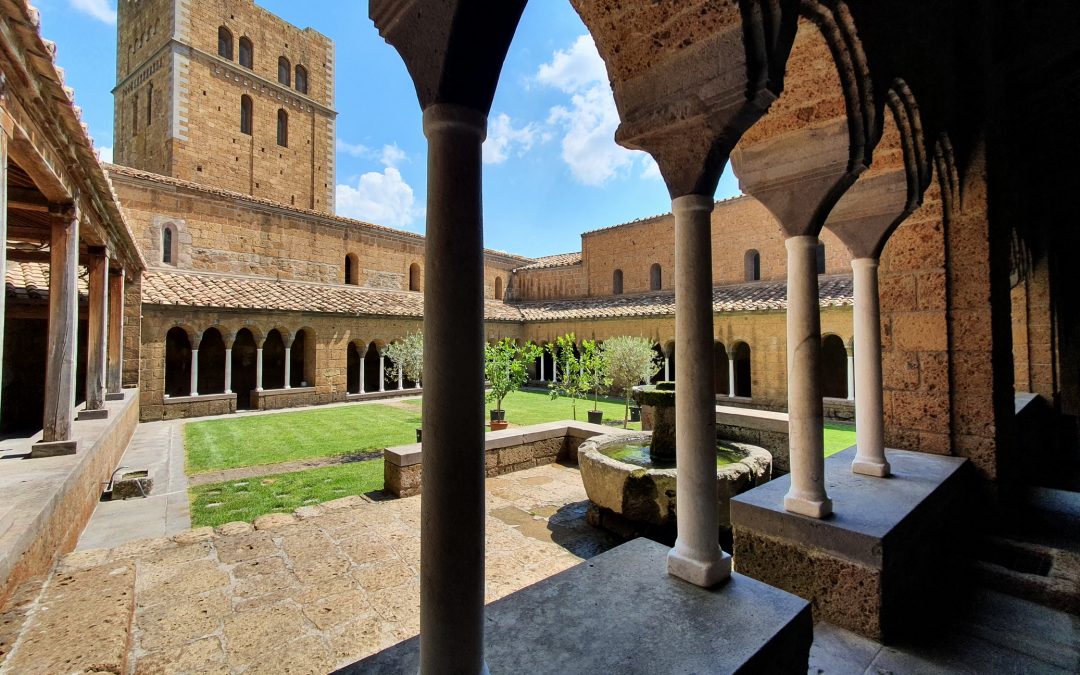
(558, 260)
(29, 281)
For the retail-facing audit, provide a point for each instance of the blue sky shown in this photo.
(551, 167)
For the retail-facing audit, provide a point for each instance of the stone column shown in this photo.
(382, 372)
(542, 377)
(667, 368)
(96, 334)
(452, 509)
(115, 369)
(194, 369)
(288, 367)
(228, 368)
(258, 369)
(696, 557)
(869, 405)
(806, 420)
(400, 379)
(63, 332)
(731, 374)
(850, 374)
(363, 371)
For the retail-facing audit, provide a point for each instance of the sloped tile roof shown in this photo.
(559, 260)
(29, 281)
(834, 291)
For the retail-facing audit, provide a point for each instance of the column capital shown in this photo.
(452, 117)
(691, 203)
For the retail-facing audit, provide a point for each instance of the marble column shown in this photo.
(806, 419)
(869, 404)
(667, 368)
(731, 374)
(115, 368)
(363, 371)
(97, 262)
(63, 331)
(382, 372)
(288, 367)
(542, 375)
(400, 379)
(194, 369)
(850, 374)
(452, 510)
(696, 557)
(259, 369)
(228, 368)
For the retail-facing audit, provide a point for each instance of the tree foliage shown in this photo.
(569, 371)
(506, 367)
(409, 355)
(629, 361)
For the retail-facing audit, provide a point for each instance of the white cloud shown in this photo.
(99, 9)
(504, 139)
(355, 150)
(392, 155)
(650, 170)
(588, 122)
(105, 154)
(381, 198)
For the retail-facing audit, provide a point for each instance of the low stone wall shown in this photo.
(380, 395)
(506, 451)
(48, 501)
(836, 409)
(276, 399)
(763, 428)
(182, 407)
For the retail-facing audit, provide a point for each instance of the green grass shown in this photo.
(247, 499)
(284, 437)
(534, 407)
(838, 437)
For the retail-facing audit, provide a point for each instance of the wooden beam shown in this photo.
(23, 199)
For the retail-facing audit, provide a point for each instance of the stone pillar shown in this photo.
(806, 420)
(452, 509)
(228, 369)
(542, 377)
(382, 372)
(97, 334)
(400, 379)
(194, 369)
(696, 557)
(258, 369)
(869, 405)
(850, 374)
(667, 368)
(115, 368)
(731, 374)
(63, 335)
(288, 367)
(363, 371)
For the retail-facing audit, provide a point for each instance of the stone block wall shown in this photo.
(198, 406)
(278, 399)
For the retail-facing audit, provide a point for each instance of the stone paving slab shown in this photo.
(304, 592)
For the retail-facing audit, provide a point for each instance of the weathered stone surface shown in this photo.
(273, 521)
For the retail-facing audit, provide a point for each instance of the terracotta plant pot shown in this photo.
(499, 425)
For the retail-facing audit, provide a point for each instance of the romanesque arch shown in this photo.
(744, 384)
(414, 277)
(244, 363)
(354, 357)
(834, 363)
(212, 362)
(374, 377)
(302, 366)
(177, 362)
(274, 360)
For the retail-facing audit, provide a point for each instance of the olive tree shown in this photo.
(506, 367)
(408, 354)
(629, 361)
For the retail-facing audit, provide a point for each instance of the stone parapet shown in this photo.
(182, 407)
(275, 399)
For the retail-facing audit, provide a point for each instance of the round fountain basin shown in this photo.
(621, 477)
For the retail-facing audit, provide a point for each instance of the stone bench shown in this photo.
(506, 451)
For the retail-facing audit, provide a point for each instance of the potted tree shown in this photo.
(506, 367)
(594, 376)
(409, 354)
(569, 380)
(629, 361)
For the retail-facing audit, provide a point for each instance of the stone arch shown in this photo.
(352, 269)
(498, 288)
(354, 357)
(302, 366)
(752, 265)
(212, 362)
(415, 278)
(656, 277)
(617, 282)
(273, 375)
(244, 365)
(373, 373)
(721, 374)
(834, 364)
(301, 81)
(178, 345)
(247, 53)
(284, 71)
(744, 373)
(282, 128)
(168, 244)
(225, 43)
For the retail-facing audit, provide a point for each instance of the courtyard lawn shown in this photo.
(838, 437)
(536, 407)
(285, 437)
(247, 499)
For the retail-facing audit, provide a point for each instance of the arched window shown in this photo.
(149, 103)
(821, 258)
(282, 128)
(616, 282)
(743, 380)
(167, 254)
(752, 265)
(246, 114)
(284, 70)
(498, 288)
(834, 363)
(247, 53)
(352, 276)
(301, 79)
(656, 279)
(414, 277)
(224, 43)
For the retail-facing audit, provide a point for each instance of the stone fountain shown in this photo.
(630, 478)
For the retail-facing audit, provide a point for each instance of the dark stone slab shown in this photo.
(868, 513)
(622, 613)
(43, 449)
(99, 414)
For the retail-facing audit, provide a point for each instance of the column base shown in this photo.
(53, 449)
(868, 467)
(697, 572)
(98, 414)
(806, 507)
(117, 396)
